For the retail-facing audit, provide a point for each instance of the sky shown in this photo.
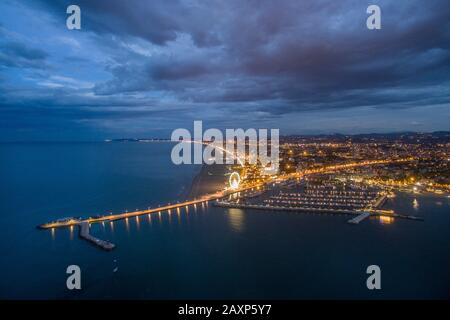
(145, 68)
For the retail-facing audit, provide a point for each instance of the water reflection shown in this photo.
(186, 215)
(236, 219)
(386, 220)
(170, 216)
(137, 223)
(415, 204)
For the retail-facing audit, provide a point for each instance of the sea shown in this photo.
(200, 253)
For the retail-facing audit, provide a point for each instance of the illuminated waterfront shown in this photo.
(202, 251)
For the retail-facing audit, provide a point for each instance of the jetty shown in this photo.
(380, 201)
(359, 218)
(377, 205)
(84, 234)
(360, 214)
(228, 204)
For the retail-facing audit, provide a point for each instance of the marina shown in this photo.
(326, 199)
(371, 212)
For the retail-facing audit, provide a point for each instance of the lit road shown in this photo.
(219, 194)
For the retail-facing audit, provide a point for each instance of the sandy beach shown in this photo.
(210, 179)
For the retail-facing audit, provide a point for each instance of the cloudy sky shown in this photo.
(144, 68)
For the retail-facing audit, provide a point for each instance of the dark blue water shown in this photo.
(205, 253)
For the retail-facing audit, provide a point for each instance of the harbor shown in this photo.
(360, 215)
(326, 198)
(293, 193)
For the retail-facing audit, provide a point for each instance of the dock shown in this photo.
(377, 205)
(379, 202)
(361, 215)
(359, 218)
(84, 234)
(227, 204)
(402, 216)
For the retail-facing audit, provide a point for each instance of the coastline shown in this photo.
(210, 179)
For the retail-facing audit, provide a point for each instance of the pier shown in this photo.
(84, 234)
(359, 218)
(227, 204)
(119, 216)
(379, 203)
(361, 214)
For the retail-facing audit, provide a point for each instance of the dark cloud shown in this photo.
(286, 50)
(265, 57)
(20, 55)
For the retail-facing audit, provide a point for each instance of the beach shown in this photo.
(210, 179)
